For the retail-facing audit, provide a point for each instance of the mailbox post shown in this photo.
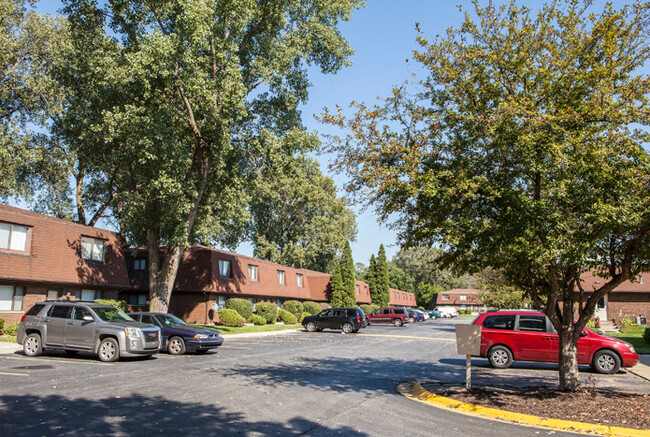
(468, 343)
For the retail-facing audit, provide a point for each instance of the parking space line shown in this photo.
(62, 360)
(407, 336)
(14, 374)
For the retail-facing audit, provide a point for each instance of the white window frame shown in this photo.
(12, 298)
(93, 249)
(253, 273)
(358, 290)
(463, 297)
(87, 295)
(300, 280)
(282, 277)
(445, 297)
(225, 273)
(15, 238)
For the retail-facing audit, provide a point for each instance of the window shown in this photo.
(357, 287)
(253, 273)
(445, 297)
(149, 319)
(138, 299)
(224, 268)
(463, 297)
(11, 298)
(87, 295)
(139, 264)
(281, 277)
(499, 322)
(366, 290)
(92, 249)
(54, 293)
(13, 237)
(60, 311)
(299, 281)
(79, 313)
(386, 311)
(221, 302)
(532, 323)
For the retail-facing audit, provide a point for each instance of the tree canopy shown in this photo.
(521, 151)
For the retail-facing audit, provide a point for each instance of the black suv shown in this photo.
(86, 327)
(347, 319)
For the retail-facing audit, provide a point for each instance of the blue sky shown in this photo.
(383, 37)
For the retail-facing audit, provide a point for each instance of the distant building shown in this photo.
(461, 299)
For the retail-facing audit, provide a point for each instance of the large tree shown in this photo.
(203, 95)
(297, 219)
(522, 152)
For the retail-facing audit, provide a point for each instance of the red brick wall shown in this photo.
(628, 305)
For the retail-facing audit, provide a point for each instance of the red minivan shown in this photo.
(521, 335)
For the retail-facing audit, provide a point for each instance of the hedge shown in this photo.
(232, 318)
(367, 309)
(294, 307)
(11, 329)
(287, 318)
(303, 315)
(325, 306)
(312, 307)
(646, 335)
(119, 304)
(257, 320)
(242, 306)
(2, 325)
(267, 310)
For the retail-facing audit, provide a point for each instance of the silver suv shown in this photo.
(86, 326)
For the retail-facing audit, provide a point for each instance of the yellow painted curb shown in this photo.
(418, 393)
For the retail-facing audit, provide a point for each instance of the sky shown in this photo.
(383, 37)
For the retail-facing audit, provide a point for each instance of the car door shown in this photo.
(80, 333)
(583, 345)
(386, 315)
(323, 319)
(56, 321)
(532, 341)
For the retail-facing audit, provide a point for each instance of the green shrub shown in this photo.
(257, 320)
(11, 329)
(312, 307)
(267, 310)
(325, 306)
(232, 318)
(303, 315)
(119, 304)
(646, 335)
(367, 309)
(242, 306)
(2, 325)
(626, 322)
(591, 324)
(294, 307)
(287, 318)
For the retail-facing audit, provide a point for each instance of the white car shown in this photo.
(448, 312)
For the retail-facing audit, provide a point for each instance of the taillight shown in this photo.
(22, 319)
(358, 319)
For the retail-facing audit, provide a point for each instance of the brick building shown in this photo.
(628, 300)
(461, 299)
(42, 257)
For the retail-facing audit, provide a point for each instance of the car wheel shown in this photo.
(310, 326)
(397, 322)
(606, 362)
(109, 350)
(500, 357)
(32, 346)
(347, 328)
(176, 346)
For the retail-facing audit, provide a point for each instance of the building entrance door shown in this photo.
(601, 309)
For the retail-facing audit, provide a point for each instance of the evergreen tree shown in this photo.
(371, 275)
(381, 279)
(337, 295)
(347, 276)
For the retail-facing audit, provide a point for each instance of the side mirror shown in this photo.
(88, 319)
(584, 333)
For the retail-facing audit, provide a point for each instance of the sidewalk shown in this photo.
(643, 368)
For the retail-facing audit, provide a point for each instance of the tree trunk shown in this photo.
(568, 359)
(162, 272)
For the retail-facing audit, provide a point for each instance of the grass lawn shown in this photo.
(634, 335)
(244, 329)
(8, 338)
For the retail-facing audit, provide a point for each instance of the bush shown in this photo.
(267, 310)
(303, 315)
(11, 329)
(119, 304)
(2, 325)
(626, 322)
(232, 318)
(287, 318)
(257, 320)
(312, 307)
(646, 335)
(242, 306)
(367, 309)
(294, 307)
(325, 306)
(591, 324)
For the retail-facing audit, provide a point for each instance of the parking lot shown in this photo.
(296, 383)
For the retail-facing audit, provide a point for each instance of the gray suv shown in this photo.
(86, 326)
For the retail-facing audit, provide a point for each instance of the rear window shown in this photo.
(400, 311)
(499, 322)
(35, 309)
(532, 323)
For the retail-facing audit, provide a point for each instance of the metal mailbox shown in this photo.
(468, 339)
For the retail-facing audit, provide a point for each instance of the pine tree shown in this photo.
(371, 280)
(336, 288)
(347, 276)
(381, 279)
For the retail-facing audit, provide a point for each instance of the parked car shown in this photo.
(85, 327)
(415, 315)
(177, 336)
(520, 335)
(347, 319)
(447, 312)
(396, 316)
(434, 314)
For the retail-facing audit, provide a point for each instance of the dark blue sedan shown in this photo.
(178, 337)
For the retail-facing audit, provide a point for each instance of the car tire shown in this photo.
(606, 361)
(500, 357)
(32, 346)
(310, 327)
(109, 350)
(347, 328)
(176, 346)
(397, 322)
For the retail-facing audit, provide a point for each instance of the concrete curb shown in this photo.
(414, 391)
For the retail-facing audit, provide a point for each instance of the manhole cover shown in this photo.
(41, 367)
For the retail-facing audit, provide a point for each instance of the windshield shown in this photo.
(111, 314)
(169, 320)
